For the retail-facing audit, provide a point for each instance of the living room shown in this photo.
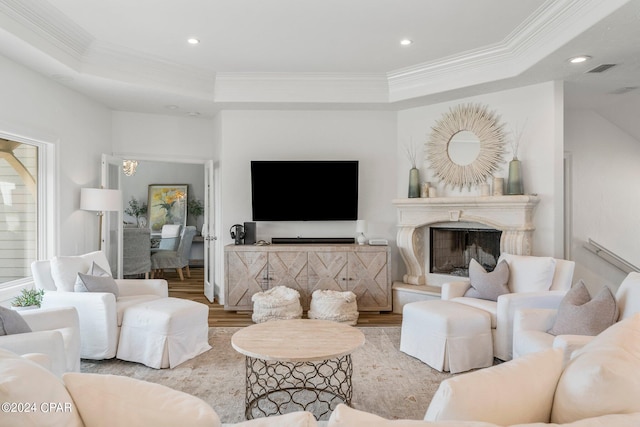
(577, 158)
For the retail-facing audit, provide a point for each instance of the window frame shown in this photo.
(46, 185)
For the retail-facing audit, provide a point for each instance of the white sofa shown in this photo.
(100, 313)
(531, 325)
(599, 387)
(55, 333)
(526, 274)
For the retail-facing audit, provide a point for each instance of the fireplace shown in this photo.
(512, 216)
(451, 249)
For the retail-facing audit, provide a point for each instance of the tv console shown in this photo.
(362, 269)
(310, 240)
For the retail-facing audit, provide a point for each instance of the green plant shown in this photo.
(136, 209)
(195, 208)
(28, 297)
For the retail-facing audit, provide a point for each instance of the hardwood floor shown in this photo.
(192, 288)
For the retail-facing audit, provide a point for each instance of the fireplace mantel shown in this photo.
(513, 215)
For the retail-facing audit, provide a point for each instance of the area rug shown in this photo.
(386, 381)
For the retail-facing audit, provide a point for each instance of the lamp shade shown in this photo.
(361, 226)
(100, 199)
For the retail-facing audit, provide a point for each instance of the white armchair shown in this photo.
(530, 287)
(55, 333)
(531, 325)
(100, 313)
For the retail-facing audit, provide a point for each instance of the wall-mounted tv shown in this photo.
(310, 190)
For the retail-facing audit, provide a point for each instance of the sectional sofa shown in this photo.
(598, 387)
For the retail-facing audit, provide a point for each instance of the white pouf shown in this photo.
(446, 335)
(164, 332)
(276, 303)
(334, 305)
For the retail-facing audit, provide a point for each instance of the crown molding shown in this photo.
(551, 26)
(46, 28)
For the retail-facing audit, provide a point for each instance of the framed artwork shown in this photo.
(167, 204)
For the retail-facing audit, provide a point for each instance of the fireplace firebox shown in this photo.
(451, 249)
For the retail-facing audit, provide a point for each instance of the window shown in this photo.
(19, 218)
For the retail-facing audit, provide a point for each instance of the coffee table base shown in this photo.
(274, 387)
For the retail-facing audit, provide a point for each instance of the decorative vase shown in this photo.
(514, 181)
(414, 183)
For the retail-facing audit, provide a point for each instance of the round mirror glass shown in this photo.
(463, 148)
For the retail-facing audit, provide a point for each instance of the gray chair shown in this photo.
(136, 251)
(177, 259)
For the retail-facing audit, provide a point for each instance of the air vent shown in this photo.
(601, 68)
(622, 90)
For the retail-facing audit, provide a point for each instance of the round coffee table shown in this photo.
(299, 364)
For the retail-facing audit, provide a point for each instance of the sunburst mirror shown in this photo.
(466, 145)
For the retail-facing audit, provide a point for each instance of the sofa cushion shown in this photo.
(490, 307)
(293, 419)
(578, 314)
(529, 273)
(30, 385)
(344, 416)
(111, 400)
(12, 323)
(602, 377)
(492, 395)
(488, 285)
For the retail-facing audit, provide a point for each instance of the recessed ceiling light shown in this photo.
(193, 114)
(193, 40)
(171, 107)
(406, 42)
(579, 59)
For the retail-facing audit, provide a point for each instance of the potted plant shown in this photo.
(28, 299)
(195, 208)
(136, 209)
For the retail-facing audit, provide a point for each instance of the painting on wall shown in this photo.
(167, 205)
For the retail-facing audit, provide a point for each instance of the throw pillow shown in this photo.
(602, 377)
(578, 314)
(112, 400)
(94, 270)
(64, 270)
(485, 285)
(26, 383)
(91, 283)
(11, 322)
(529, 273)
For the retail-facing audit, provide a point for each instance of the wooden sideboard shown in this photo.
(362, 269)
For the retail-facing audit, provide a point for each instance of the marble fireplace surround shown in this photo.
(513, 215)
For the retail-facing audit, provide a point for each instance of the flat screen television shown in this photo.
(310, 190)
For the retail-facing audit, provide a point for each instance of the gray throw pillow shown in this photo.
(579, 314)
(11, 322)
(89, 283)
(485, 285)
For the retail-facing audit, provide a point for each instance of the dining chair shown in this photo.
(176, 259)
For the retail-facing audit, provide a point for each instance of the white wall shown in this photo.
(605, 195)
(541, 151)
(165, 138)
(37, 108)
(367, 136)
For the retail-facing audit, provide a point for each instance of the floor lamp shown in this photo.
(100, 200)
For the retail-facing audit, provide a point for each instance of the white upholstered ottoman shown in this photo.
(446, 335)
(164, 332)
(278, 303)
(334, 305)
